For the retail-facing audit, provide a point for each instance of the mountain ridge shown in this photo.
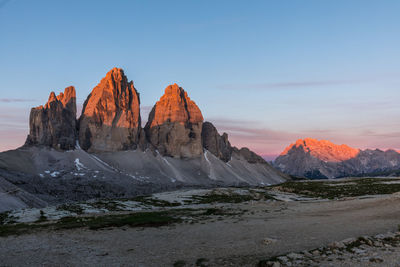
(311, 158)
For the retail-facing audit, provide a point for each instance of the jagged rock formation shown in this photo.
(110, 118)
(322, 159)
(54, 124)
(217, 144)
(175, 124)
(190, 153)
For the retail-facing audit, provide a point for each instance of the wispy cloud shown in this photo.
(312, 83)
(287, 85)
(14, 100)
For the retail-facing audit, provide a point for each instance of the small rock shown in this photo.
(268, 241)
(348, 241)
(294, 256)
(358, 251)
(376, 259)
(283, 259)
(271, 264)
(316, 253)
(336, 245)
(307, 254)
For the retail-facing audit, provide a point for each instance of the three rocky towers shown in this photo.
(111, 121)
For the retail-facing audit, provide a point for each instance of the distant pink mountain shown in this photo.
(313, 158)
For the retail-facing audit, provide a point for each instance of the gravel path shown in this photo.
(266, 229)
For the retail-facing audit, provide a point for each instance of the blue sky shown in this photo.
(267, 72)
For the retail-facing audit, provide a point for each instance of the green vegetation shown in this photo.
(229, 197)
(179, 263)
(221, 198)
(139, 219)
(42, 217)
(340, 188)
(202, 262)
(109, 205)
(4, 217)
(155, 202)
(221, 212)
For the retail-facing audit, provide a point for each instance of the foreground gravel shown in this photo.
(266, 229)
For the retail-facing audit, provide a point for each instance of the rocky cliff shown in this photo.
(322, 159)
(175, 124)
(110, 118)
(54, 124)
(217, 144)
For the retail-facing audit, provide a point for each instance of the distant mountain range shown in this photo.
(322, 159)
(106, 152)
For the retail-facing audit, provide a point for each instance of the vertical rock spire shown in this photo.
(54, 124)
(110, 118)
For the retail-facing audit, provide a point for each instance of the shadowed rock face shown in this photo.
(175, 124)
(248, 155)
(110, 118)
(54, 125)
(215, 143)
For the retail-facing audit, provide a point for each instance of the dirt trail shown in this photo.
(266, 229)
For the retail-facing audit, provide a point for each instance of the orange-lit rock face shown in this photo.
(110, 118)
(175, 124)
(175, 106)
(54, 124)
(324, 150)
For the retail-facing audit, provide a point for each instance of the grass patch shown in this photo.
(155, 202)
(140, 219)
(222, 198)
(145, 219)
(180, 263)
(202, 262)
(339, 189)
(4, 217)
(42, 217)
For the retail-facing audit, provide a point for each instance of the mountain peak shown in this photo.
(323, 149)
(175, 124)
(111, 117)
(175, 106)
(54, 124)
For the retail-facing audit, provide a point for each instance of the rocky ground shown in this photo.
(270, 226)
(378, 250)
